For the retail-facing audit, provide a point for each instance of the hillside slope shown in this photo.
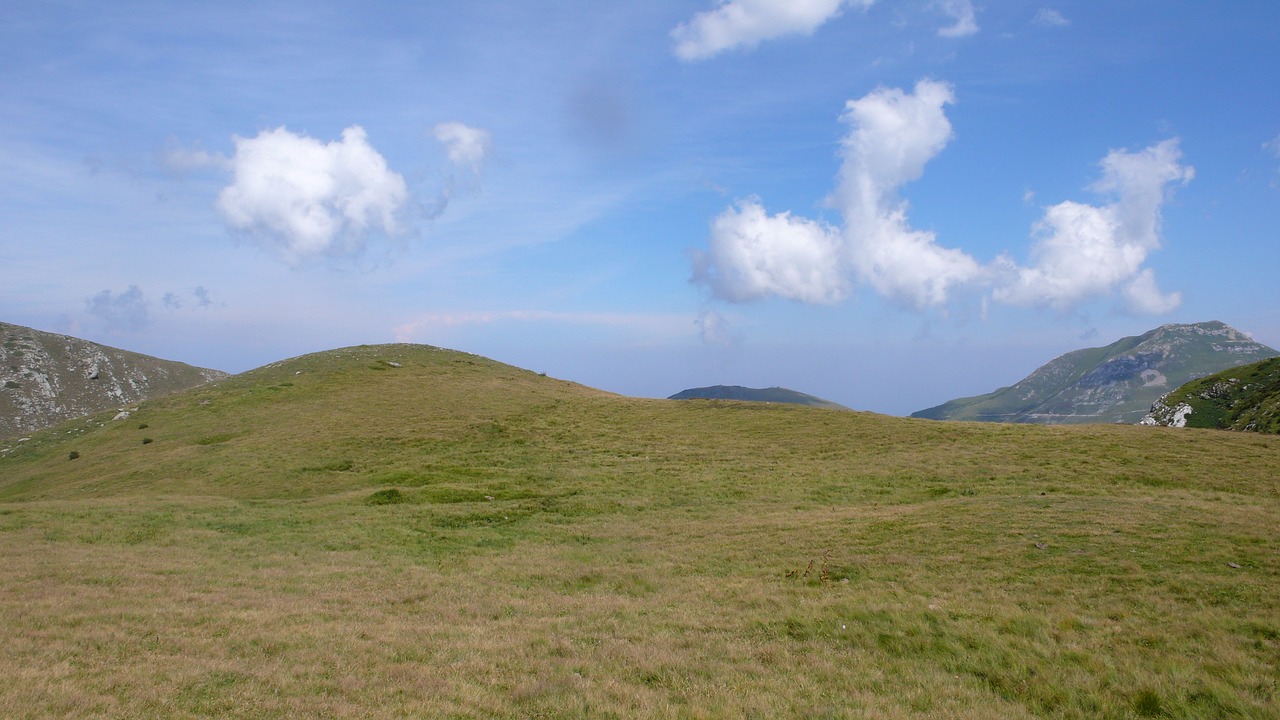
(737, 392)
(46, 378)
(1113, 384)
(404, 531)
(1245, 398)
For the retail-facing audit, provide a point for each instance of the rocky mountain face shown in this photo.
(1245, 398)
(1113, 384)
(737, 392)
(47, 378)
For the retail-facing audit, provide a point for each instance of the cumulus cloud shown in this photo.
(961, 12)
(120, 311)
(1079, 251)
(466, 147)
(754, 254)
(1048, 17)
(892, 135)
(1084, 251)
(303, 198)
(746, 23)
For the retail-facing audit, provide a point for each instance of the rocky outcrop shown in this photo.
(1245, 398)
(1163, 414)
(46, 378)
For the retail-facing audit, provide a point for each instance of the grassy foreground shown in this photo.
(400, 531)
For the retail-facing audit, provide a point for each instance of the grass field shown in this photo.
(400, 531)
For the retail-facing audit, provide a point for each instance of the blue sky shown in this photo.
(887, 203)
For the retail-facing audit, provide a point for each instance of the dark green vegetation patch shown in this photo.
(1244, 398)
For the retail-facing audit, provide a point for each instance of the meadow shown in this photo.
(402, 531)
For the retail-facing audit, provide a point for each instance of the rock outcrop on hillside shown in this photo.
(1113, 384)
(46, 378)
(1245, 398)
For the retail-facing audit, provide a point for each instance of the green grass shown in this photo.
(334, 536)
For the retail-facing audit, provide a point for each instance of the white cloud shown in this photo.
(745, 23)
(1080, 251)
(1085, 251)
(466, 147)
(120, 311)
(961, 11)
(892, 136)
(303, 198)
(755, 255)
(1048, 17)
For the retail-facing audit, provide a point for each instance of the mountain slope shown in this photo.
(1243, 398)
(1113, 384)
(403, 531)
(737, 392)
(47, 378)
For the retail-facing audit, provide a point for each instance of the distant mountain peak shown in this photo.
(1113, 384)
(738, 392)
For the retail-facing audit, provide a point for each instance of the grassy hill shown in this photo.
(1243, 398)
(1113, 384)
(402, 531)
(737, 392)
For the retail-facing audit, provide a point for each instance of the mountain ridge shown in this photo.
(46, 378)
(770, 394)
(1113, 383)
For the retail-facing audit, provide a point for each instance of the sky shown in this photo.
(885, 203)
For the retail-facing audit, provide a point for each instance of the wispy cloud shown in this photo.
(962, 13)
(465, 146)
(714, 328)
(422, 327)
(1080, 251)
(302, 198)
(1274, 146)
(1049, 17)
(747, 23)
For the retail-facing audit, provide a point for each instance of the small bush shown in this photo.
(143, 426)
(73, 455)
(390, 496)
(147, 441)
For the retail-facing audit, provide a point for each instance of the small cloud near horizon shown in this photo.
(120, 311)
